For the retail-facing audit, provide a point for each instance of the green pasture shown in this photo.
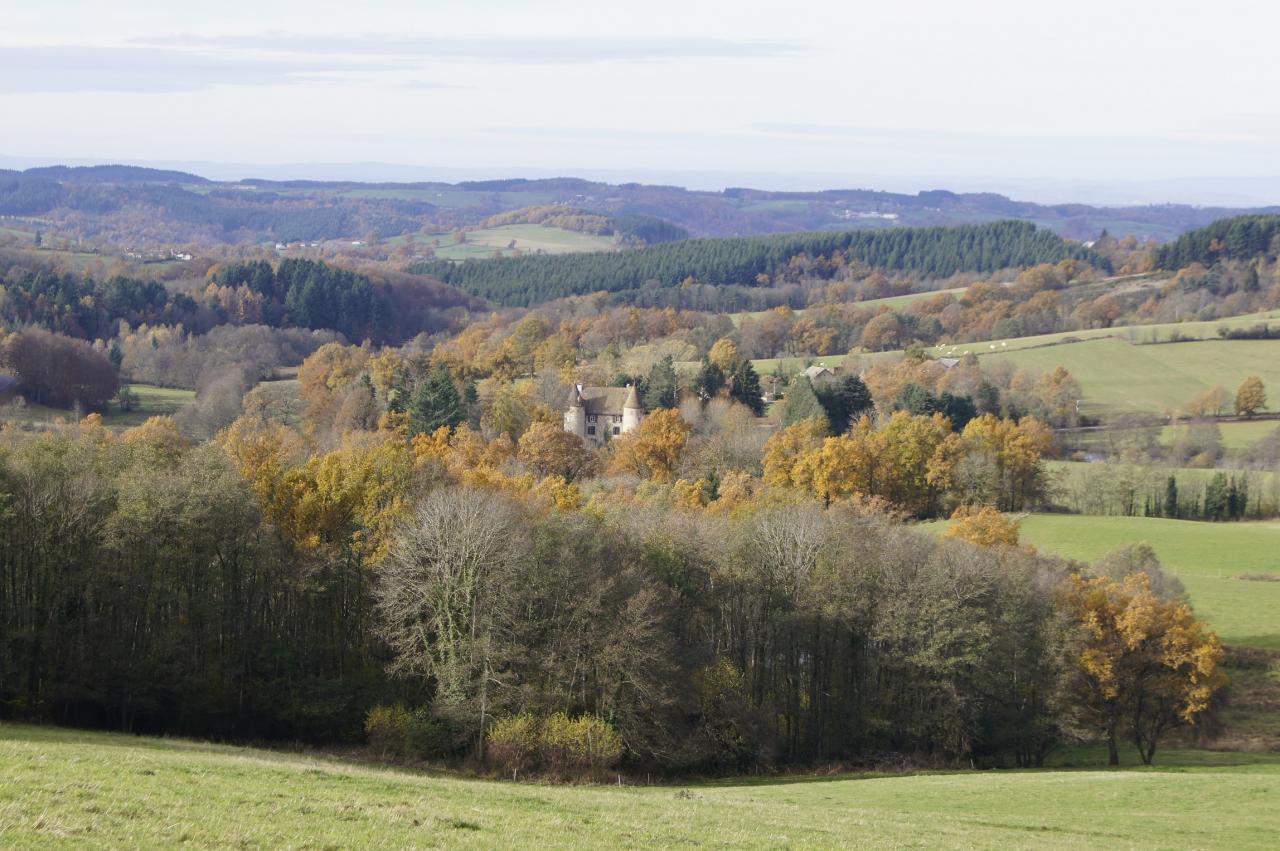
(528, 238)
(1209, 558)
(1099, 345)
(1119, 376)
(109, 790)
(1236, 434)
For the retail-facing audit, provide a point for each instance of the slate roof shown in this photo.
(606, 400)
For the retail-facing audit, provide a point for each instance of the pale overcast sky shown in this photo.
(895, 92)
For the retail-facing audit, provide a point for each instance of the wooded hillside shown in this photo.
(927, 252)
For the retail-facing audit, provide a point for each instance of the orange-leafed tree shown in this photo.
(1133, 662)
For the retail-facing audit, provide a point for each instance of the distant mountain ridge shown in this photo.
(113, 174)
(113, 201)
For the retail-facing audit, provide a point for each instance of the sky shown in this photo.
(1086, 100)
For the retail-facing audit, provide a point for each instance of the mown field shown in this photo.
(105, 790)
(1209, 558)
(1119, 376)
(152, 401)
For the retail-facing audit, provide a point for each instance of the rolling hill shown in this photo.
(173, 206)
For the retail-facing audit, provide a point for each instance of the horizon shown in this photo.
(1200, 192)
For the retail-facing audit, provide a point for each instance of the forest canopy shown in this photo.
(1239, 238)
(937, 252)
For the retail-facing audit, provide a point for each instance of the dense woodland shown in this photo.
(293, 293)
(1238, 238)
(257, 588)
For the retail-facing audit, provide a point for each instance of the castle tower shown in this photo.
(631, 410)
(575, 417)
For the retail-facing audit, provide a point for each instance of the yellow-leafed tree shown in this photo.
(1251, 397)
(653, 449)
(983, 525)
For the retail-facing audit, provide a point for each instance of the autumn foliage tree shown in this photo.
(56, 370)
(549, 450)
(1251, 397)
(983, 525)
(653, 449)
(785, 447)
(1133, 663)
(1210, 403)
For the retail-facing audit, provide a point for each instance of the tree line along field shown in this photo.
(113, 790)
(1126, 368)
(1072, 478)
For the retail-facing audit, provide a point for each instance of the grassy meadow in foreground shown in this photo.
(115, 790)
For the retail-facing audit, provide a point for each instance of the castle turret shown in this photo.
(631, 410)
(575, 416)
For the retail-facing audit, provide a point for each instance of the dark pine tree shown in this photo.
(435, 403)
(662, 388)
(746, 387)
(844, 401)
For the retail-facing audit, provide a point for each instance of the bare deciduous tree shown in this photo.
(441, 595)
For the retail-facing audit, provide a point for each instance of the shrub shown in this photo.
(429, 737)
(399, 732)
(513, 743)
(387, 728)
(578, 745)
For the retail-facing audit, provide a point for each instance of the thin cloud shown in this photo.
(550, 50)
(75, 68)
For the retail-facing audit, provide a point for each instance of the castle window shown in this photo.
(617, 430)
(591, 429)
